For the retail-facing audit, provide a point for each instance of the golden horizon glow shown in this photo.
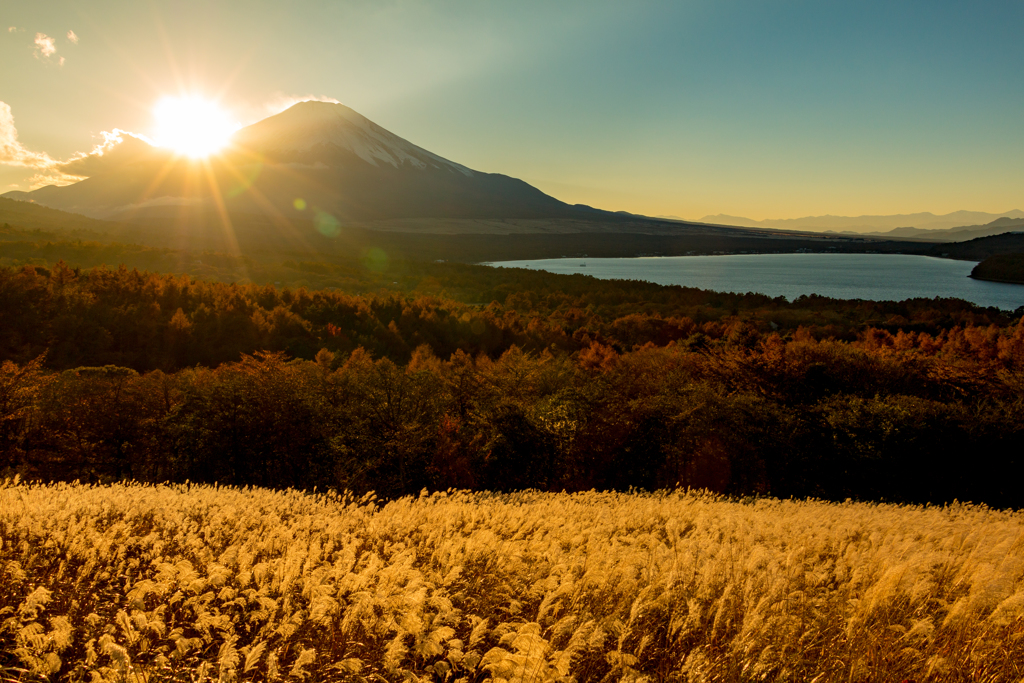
(192, 126)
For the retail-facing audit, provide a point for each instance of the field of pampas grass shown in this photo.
(199, 583)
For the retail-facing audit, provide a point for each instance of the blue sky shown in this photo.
(765, 109)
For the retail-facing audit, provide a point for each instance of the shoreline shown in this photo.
(992, 279)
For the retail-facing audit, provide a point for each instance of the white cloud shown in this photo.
(12, 152)
(117, 149)
(45, 46)
(12, 29)
(73, 37)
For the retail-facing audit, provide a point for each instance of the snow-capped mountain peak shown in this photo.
(308, 125)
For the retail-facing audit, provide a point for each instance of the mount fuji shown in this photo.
(313, 158)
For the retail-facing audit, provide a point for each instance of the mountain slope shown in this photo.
(321, 156)
(24, 216)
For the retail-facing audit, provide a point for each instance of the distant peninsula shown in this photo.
(1001, 268)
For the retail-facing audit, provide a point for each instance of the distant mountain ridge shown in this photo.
(958, 234)
(889, 226)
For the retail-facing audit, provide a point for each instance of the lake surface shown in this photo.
(878, 277)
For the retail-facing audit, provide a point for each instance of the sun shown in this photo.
(192, 126)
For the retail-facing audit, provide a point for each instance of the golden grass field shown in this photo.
(199, 583)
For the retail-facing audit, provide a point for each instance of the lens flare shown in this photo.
(192, 126)
(326, 224)
(376, 259)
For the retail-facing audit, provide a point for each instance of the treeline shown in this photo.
(891, 417)
(145, 321)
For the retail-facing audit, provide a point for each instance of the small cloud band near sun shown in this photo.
(73, 37)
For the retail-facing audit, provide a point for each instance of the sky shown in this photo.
(755, 108)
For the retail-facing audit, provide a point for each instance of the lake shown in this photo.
(878, 277)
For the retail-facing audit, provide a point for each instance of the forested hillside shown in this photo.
(557, 383)
(146, 321)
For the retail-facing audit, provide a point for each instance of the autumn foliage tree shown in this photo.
(162, 378)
